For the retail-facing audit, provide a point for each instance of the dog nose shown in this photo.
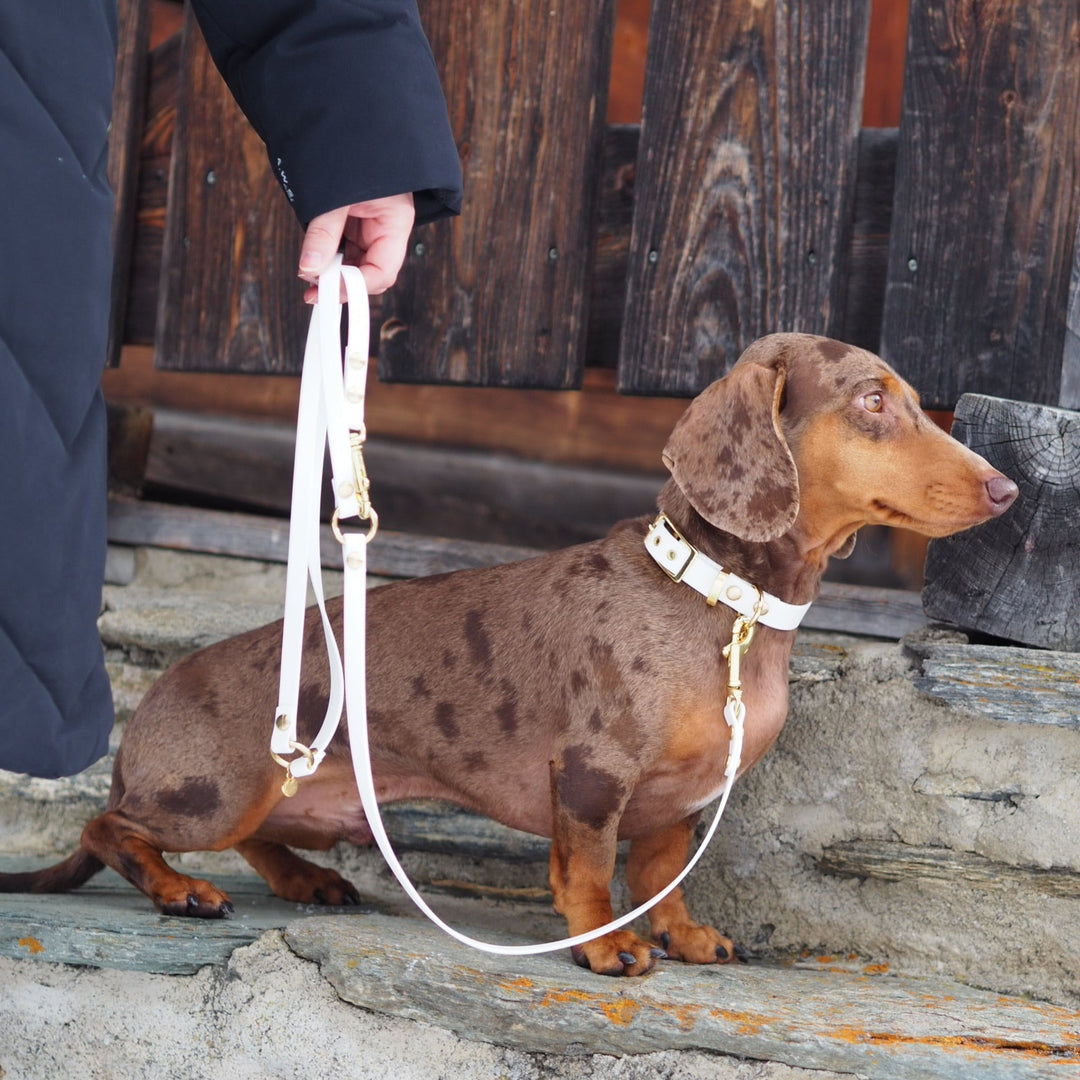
(1001, 492)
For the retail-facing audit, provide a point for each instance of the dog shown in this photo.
(578, 695)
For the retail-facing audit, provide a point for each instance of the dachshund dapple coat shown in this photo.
(578, 695)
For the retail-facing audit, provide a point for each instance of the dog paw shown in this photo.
(316, 885)
(196, 899)
(617, 953)
(696, 944)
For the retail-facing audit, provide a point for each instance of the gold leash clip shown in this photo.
(742, 633)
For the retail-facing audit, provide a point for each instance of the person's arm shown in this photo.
(346, 96)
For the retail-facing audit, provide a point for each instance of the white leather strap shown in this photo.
(331, 408)
(681, 561)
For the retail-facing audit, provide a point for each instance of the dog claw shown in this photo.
(658, 954)
(320, 897)
(226, 907)
(628, 958)
(665, 940)
(722, 953)
(742, 955)
(577, 952)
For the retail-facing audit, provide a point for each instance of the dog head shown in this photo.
(809, 430)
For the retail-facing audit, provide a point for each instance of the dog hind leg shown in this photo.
(134, 855)
(295, 878)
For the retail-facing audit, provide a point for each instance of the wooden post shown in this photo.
(1017, 577)
(745, 182)
(229, 299)
(497, 297)
(987, 199)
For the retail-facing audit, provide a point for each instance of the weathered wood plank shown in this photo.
(125, 136)
(865, 609)
(889, 1028)
(606, 283)
(852, 609)
(436, 490)
(1070, 366)
(229, 299)
(155, 156)
(988, 199)
(890, 860)
(745, 183)
(1014, 685)
(1017, 577)
(497, 296)
(254, 537)
(868, 259)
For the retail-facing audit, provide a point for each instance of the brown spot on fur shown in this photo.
(578, 682)
(197, 796)
(832, 351)
(448, 659)
(596, 721)
(475, 761)
(444, 719)
(590, 795)
(640, 664)
(419, 687)
(599, 563)
(477, 639)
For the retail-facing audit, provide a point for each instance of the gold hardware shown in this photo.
(290, 784)
(742, 633)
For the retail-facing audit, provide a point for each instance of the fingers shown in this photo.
(321, 242)
(376, 237)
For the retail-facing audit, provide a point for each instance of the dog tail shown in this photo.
(74, 871)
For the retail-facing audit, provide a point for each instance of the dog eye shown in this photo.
(874, 402)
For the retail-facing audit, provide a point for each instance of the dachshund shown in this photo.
(578, 695)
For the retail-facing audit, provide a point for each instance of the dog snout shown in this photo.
(1001, 492)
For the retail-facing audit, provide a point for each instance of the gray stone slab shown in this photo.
(883, 1027)
(109, 924)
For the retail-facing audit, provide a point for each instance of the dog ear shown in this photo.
(728, 454)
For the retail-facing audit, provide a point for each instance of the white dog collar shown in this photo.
(681, 561)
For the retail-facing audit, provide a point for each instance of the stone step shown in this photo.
(287, 970)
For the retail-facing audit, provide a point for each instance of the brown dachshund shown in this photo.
(578, 695)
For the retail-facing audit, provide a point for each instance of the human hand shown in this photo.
(376, 234)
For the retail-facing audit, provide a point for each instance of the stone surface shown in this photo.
(876, 1026)
(109, 924)
(269, 1014)
(869, 775)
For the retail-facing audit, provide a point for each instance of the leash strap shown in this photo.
(332, 411)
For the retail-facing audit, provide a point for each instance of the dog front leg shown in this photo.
(586, 824)
(654, 862)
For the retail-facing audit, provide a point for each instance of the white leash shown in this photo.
(332, 409)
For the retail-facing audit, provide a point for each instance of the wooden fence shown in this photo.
(748, 200)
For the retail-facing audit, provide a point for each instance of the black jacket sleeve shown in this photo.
(346, 96)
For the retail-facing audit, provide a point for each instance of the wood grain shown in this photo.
(125, 135)
(988, 199)
(496, 297)
(229, 299)
(745, 182)
(1017, 577)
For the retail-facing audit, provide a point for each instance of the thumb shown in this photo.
(321, 242)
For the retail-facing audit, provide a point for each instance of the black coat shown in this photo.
(346, 96)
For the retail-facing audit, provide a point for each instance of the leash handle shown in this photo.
(331, 409)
